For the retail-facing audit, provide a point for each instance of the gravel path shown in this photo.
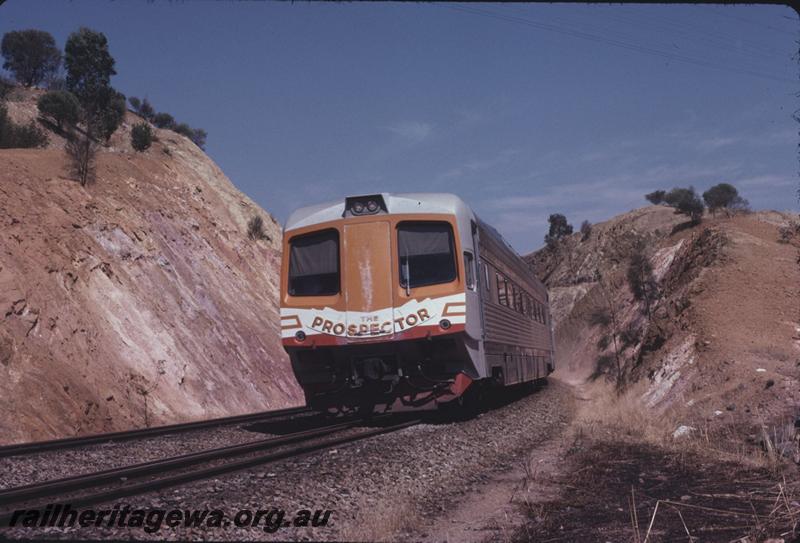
(391, 486)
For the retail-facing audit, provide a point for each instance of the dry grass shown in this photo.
(606, 415)
(379, 521)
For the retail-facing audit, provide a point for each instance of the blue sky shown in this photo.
(523, 110)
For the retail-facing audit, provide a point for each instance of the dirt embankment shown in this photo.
(136, 300)
(694, 436)
(718, 341)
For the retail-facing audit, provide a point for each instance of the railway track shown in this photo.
(72, 442)
(117, 483)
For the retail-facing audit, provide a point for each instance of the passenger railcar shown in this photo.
(407, 299)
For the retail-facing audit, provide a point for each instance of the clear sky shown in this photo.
(523, 110)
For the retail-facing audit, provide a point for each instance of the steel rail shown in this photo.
(128, 490)
(87, 480)
(80, 441)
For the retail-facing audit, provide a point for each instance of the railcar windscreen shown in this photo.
(314, 264)
(427, 253)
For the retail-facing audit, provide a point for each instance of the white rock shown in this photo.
(683, 431)
(717, 412)
(761, 370)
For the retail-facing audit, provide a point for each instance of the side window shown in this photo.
(502, 290)
(469, 267)
(486, 275)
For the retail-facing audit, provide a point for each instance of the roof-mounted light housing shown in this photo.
(357, 206)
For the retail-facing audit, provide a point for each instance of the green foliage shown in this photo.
(141, 136)
(89, 65)
(656, 197)
(146, 110)
(559, 227)
(15, 136)
(687, 202)
(164, 120)
(640, 273)
(106, 113)
(197, 135)
(724, 196)
(30, 55)
(61, 107)
(720, 195)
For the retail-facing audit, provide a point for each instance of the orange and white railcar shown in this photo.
(407, 299)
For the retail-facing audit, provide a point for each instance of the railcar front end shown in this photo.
(374, 301)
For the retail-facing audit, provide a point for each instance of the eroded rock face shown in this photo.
(137, 300)
(721, 331)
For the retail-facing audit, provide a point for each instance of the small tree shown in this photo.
(141, 137)
(559, 227)
(146, 110)
(610, 309)
(89, 65)
(719, 196)
(106, 113)
(61, 107)
(164, 120)
(656, 197)
(81, 155)
(687, 202)
(197, 135)
(30, 55)
(586, 230)
(255, 228)
(640, 275)
(135, 103)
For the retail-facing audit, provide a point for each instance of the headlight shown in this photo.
(358, 208)
(372, 206)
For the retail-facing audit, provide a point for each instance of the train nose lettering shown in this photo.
(373, 327)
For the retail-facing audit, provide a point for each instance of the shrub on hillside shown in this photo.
(30, 55)
(61, 107)
(141, 136)
(641, 279)
(106, 113)
(142, 107)
(164, 120)
(81, 153)
(687, 202)
(255, 228)
(586, 230)
(197, 135)
(559, 227)
(724, 196)
(16, 136)
(656, 197)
